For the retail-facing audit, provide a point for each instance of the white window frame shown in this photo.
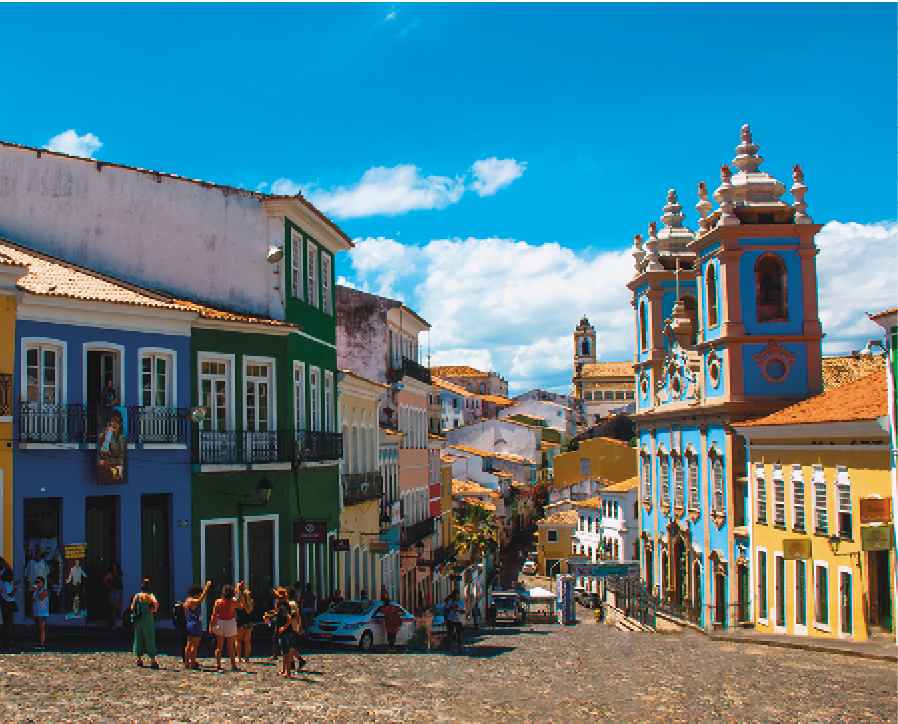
(326, 287)
(312, 273)
(230, 362)
(61, 349)
(783, 591)
(315, 390)
(718, 482)
(827, 627)
(779, 496)
(679, 500)
(800, 629)
(762, 614)
(297, 254)
(693, 501)
(799, 519)
(850, 572)
(247, 519)
(272, 390)
(843, 483)
(818, 483)
(172, 376)
(646, 470)
(119, 351)
(299, 395)
(664, 477)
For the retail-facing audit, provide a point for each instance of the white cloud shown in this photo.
(72, 144)
(388, 192)
(285, 187)
(390, 15)
(492, 174)
(857, 272)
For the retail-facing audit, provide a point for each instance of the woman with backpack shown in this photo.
(194, 623)
(244, 625)
(224, 625)
(143, 606)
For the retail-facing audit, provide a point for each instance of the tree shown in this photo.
(475, 531)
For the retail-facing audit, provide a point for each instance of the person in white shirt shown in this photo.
(36, 568)
(455, 615)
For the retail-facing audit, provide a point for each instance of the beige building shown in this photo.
(555, 535)
(603, 386)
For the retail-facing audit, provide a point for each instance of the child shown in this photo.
(40, 598)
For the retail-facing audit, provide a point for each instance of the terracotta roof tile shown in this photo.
(449, 387)
(207, 312)
(607, 369)
(623, 486)
(562, 517)
(863, 399)
(883, 314)
(595, 503)
(841, 369)
(456, 371)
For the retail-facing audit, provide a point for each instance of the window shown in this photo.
(155, 380)
(646, 472)
(665, 479)
(762, 585)
(797, 498)
(42, 370)
(678, 481)
(643, 328)
(312, 273)
(299, 395)
(711, 295)
(717, 483)
(770, 288)
(329, 402)
(215, 393)
(801, 614)
(820, 502)
(780, 590)
(257, 403)
(843, 500)
(845, 599)
(326, 283)
(584, 466)
(779, 497)
(692, 475)
(296, 264)
(587, 395)
(630, 395)
(821, 595)
(315, 399)
(552, 536)
(761, 488)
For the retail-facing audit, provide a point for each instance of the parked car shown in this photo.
(529, 568)
(359, 623)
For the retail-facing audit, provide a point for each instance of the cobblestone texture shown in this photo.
(541, 673)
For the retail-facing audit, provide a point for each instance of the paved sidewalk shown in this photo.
(881, 647)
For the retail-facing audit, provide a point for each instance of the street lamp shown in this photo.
(263, 491)
(833, 541)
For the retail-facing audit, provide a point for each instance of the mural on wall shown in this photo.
(111, 444)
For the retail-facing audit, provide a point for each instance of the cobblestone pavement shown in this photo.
(540, 673)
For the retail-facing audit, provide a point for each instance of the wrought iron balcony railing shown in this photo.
(240, 447)
(5, 395)
(415, 532)
(39, 422)
(362, 487)
(438, 557)
(77, 424)
(159, 425)
(410, 368)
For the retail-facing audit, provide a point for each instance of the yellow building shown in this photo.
(819, 473)
(10, 273)
(362, 485)
(600, 457)
(555, 534)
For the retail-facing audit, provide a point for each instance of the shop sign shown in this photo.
(339, 544)
(876, 538)
(876, 510)
(796, 549)
(603, 569)
(378, 546)
(308, 531)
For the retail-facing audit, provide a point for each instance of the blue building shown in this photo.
(727, 330)
(90, 347)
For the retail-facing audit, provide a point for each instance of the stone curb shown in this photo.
(808, 647)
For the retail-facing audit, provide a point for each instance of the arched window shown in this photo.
(643, 328)
(770, 288)
(711, 295)
(584, 347)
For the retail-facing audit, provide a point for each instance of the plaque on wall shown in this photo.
(796, 549)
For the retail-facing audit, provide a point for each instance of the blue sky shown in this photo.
(493, 161)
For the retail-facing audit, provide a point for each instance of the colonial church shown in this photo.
(603, 386)
(727, 330)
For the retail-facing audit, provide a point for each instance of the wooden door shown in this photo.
(219, 563)
(155, 548)
(260, 557)
(100, 530)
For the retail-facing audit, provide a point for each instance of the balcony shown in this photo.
(5, 395)
(77, 424)
(415, 532)
(438, 557)
(408, 368)
(362, 487)
(238, 447)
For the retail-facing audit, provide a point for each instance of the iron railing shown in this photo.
(415, 532)
(729, 616)
(159, 425)
(39, 422)
(242, 447)
(5, 395)
(362, 487)
(409, 368)
(438, 557)
(77, 424)
(638, 603)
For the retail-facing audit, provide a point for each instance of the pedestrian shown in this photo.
(475, 615)
(392, 622)
(455, 611)
(109, 398)
(307, 606)
(194, 623)
(36, 567)
(40, 609)
(244, 625)
(143, 606)
(113, 582)
(8, 605)
(287, 625)
(224, 625)
(336, 599)
(491, 615)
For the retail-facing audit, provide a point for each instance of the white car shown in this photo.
(359, 623)
(529, 568)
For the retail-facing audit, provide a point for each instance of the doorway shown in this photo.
(649, 570)
(680, 571)
(102, 368)
(845, 603)
(260, 573)
(742, 594)
(218, 559)
(720, 598)
(154, 546)
(101, 533)
(879, 590)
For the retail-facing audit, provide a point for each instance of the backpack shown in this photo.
(179, 616)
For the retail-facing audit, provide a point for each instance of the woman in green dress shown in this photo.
(144, 605)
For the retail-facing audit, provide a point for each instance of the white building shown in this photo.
(557, 416)
(504, 437)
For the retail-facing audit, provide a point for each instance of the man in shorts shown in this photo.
(287, 623)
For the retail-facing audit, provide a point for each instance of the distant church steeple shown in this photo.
(584, 345)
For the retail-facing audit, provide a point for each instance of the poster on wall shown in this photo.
(74, 580)
(111, 436)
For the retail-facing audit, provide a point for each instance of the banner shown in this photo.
(74, 583)
(603, 570)
(112, 432)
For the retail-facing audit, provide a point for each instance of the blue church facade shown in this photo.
(727, 330)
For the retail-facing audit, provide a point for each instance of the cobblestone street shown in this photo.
(543, 673)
